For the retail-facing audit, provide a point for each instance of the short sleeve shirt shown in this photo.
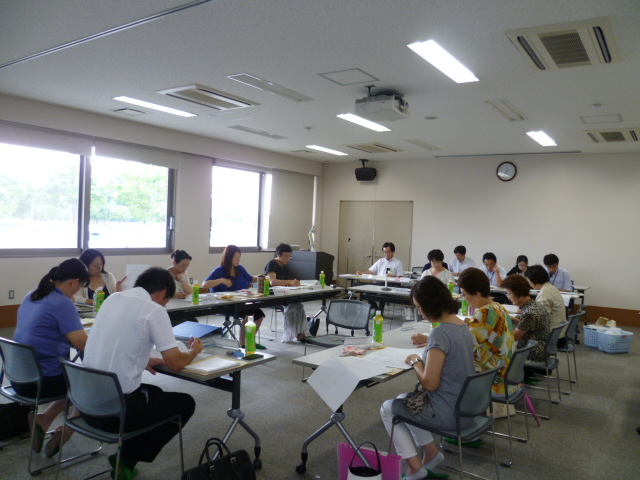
(242, 280)
(281, 271)
(44, 324)
(535, 321)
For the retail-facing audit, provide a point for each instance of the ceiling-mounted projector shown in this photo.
(386, 106)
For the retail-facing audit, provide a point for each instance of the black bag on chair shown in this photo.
(229, 466)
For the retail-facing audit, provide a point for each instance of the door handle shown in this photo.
(367, 256)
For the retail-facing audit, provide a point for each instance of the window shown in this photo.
(53, 202)
(238, 213)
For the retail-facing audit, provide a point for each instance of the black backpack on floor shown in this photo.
(13, 420)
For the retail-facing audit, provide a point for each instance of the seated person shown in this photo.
(522, 262)
(437, 269)
(181, 262)
(461, 262)
(387, 265)
(428, 265)
(490, 268)
(231, 276)
(48, 321)
(123, 335)
(491, 326)
(534, 319)
(442, 370)
(549, 297)
(98, 277)
(558, 277)
(296, 326)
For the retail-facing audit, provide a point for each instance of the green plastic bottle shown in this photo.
(98, 299)
(267, 287)
(322, 277)
(378, 325)
(465, 307)
(452, 286)
(196, 293)
(250, 331)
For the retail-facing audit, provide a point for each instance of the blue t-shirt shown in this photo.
(242, 280)
(44, 324)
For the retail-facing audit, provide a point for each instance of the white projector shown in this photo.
(379, 108)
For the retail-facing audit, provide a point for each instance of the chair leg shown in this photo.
(575, 365)
(181, 449)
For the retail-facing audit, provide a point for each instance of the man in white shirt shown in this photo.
(491, 269)
(386, 264)
(558, 277)
(461, 262)
(123, 335)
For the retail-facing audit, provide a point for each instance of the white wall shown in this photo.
(581, 207)
(193, 191)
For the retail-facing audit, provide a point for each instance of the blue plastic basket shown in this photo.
(612, 343)
(591, 336)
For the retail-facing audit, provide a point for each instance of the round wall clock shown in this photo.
(506, 171)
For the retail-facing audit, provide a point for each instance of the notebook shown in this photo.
(186, 330)
(210, 365)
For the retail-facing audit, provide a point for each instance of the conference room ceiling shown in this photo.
(292, 42)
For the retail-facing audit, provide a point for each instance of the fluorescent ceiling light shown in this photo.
(542, 138)
(267, 86)
(154, 106)
(443, 61)
(326, 150)
(363, 122)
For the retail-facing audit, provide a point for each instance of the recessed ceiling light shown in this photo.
(267, 86)
(326, 150)
(154, 106)
(443, 61)
(542, 138)
(363, 122)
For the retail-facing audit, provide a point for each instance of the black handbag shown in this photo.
(229, 466)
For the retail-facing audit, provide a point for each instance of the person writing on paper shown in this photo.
(491, 326)
(549, 297)
(277, 270)
(231, 276)
(387, 264)
(48, 321)
(99, 277)
(181, 261)
(558, 277)
(436, 257)
(522, 263)
(494, 273)
(122, 338)
(461, 262)
(441, 370)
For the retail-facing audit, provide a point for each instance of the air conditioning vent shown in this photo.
(129, 111)
(374, 148)
(255, 131)
(425, 145)
(562, 45)
(301, 151)
(208, 97)
(614, 136)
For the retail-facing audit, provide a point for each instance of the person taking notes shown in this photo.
(388, 264)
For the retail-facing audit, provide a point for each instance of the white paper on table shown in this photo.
(133, 272)
(393, 357)
(309, 283)
(338, 377)
(511, 308)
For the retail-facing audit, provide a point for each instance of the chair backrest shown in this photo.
(475, 396)
(20, 363)
(515, 371)
(94, 392)
(351, 314)
(572, 328)
(552, 343)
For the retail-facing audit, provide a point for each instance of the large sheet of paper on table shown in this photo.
(210, 365)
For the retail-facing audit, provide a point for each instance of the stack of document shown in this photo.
(210, 365)
(188, 330)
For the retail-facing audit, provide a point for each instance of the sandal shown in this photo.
(260, 347)
(124, 473)
(474, 443)
(53, 445)
(38, 436)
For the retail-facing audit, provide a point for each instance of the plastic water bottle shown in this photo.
(195, 298)
(378, 324)
(250, 331)
(322, 277)
(452, 286)
(267, 287)
(98, 299)
(465, 307)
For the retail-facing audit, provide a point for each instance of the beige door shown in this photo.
(365, 226)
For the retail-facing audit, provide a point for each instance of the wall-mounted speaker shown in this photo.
(365, 174)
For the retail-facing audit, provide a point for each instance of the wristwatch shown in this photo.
(414, 361)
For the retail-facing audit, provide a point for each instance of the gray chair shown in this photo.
(350, 314)
(473, 401)
(98, 393)
(20, 364)
(550, 364)
(515, 376)
(570, 347)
